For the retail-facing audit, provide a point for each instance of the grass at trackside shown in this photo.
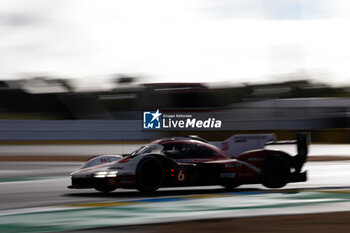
(29, 178)
(71, 142)
(138, 212)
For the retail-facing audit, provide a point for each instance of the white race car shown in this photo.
(190, 161)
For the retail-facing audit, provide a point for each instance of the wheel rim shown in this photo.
(151, 174)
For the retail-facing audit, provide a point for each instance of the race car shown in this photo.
(193, 161)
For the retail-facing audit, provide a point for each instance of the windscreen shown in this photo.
(149, 148)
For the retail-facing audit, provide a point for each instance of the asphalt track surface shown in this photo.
(34, 198)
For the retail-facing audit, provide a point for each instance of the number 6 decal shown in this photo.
(181, 176)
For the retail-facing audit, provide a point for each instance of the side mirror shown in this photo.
(172, 152)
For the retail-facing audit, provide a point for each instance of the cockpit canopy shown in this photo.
(149, 148)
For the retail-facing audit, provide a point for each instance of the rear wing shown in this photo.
(239, 143)
(302, 141)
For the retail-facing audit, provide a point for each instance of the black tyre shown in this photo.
(277, 172)
(150, 175)
(230, 186)
(105, 189)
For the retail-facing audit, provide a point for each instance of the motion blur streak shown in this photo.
(42, 205)
(78, 76)
(283, 108)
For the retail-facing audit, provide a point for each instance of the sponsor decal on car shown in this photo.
(256, 159)
(228, 175)
(229, 165)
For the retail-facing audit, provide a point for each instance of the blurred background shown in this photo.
(48, 109)
(76, 76)
(85, 70)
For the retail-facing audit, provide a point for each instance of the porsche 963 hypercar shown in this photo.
(192, 161)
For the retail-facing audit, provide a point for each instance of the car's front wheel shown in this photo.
(105, 189)
(150, 175)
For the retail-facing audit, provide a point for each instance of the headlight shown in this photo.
(112, 174)
(105, 174)
(100, 174)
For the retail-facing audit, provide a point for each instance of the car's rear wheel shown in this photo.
(105, 189)
(150, 175)
(277, 172)
(229, 186)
